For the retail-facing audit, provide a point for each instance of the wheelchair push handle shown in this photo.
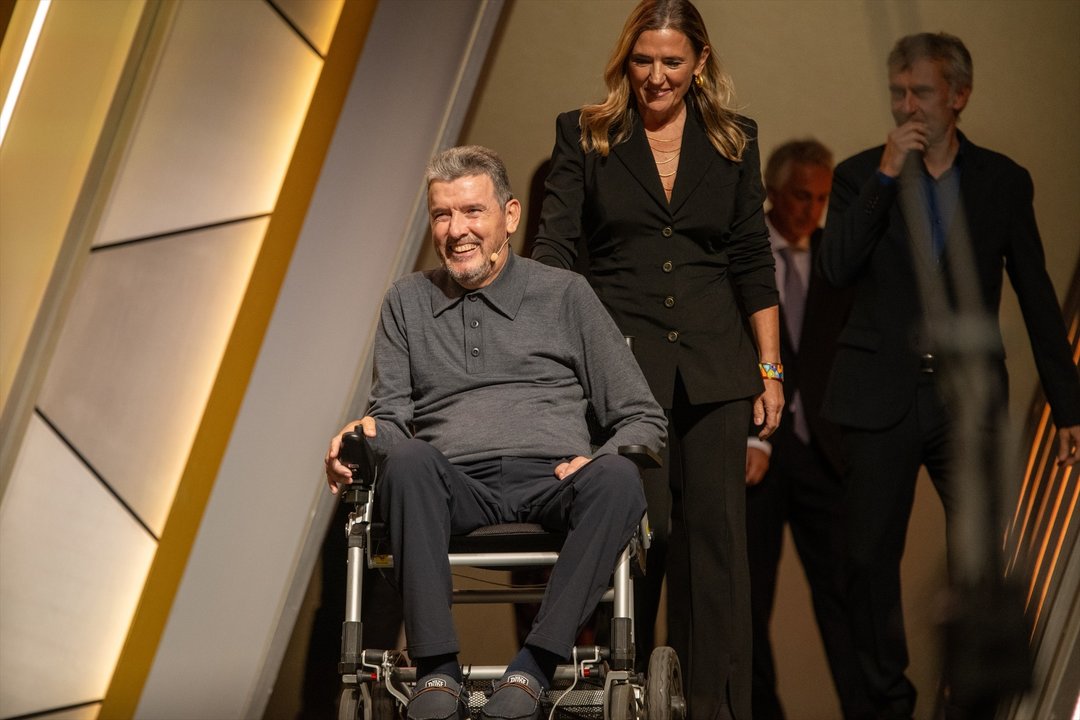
(356, 454)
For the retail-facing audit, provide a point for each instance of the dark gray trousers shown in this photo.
(425, 499)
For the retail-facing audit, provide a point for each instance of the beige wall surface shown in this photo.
(816, 67)
(45, 154)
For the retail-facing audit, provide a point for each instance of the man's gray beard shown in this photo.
(471, 277)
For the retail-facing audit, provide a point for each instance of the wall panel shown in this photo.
(217, 128)
(69, 553)
(46, 153)
(139, 352)
(314, 19)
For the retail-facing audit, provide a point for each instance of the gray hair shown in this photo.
(469, 160)
(947, 49)
(807, 152)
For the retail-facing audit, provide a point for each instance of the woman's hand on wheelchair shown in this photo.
(336, 473)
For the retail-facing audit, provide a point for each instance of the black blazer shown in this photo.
(807, 370)
(681, 278)
(866, 246)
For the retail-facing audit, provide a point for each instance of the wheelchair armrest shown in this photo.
(642, 456)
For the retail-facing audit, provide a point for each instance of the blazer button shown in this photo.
(669, 301)
(666, 232)
(667, 266)
(673, 336)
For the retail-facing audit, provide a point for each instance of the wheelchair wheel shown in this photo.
(620, 702)
(349, 704)
(663, 692)
(364, 704)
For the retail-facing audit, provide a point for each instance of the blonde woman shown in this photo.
(660, 184)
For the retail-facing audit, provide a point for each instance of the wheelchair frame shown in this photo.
(377, 683)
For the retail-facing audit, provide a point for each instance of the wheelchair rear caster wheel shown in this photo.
(364, 704)
(663, 693)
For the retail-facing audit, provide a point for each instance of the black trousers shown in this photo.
(803, 491)
(708, 576)
(882, 470)
(425, 499)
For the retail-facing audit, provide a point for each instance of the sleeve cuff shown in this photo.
(759, 444)
(885, 180)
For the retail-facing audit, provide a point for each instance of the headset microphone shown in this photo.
(495, 255)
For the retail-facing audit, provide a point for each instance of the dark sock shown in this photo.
(446, 664)
(537, 662)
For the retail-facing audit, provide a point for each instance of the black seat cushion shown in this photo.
(508, 537)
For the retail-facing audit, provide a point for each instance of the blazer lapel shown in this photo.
(638, 159)
(696, 158)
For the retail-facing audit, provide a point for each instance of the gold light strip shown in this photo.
(1031, 481)
(1057, 550)
(211, 440)
(24, 65)
(1047, 506)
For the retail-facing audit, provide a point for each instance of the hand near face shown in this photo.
(905, 138)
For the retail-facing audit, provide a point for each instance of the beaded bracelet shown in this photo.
(772, 371)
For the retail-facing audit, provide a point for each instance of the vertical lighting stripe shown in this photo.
(1057, 550)
(211, 441)
(24, 64)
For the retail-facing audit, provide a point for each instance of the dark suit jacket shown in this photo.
(681, 278)
(866, 245)
(807, 370)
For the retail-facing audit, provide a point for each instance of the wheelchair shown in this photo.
(600, 682)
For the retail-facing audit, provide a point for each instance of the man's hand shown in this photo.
(566, 469)
(1069, 445)
(901, 141)
(336, 473)
(768, 406)
(757, 464)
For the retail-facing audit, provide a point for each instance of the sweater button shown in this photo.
(666, 232)
(669, 301)
(673, 336)
(667, 266)
(475, 352)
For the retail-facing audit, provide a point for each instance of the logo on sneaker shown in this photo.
(435, 682)
(519, 679)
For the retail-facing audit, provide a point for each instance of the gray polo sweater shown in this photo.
(508, 370)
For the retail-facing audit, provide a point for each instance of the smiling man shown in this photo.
(884, 388)
(484, 371)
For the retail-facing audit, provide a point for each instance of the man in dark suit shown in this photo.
(884, 386)
(795, 477)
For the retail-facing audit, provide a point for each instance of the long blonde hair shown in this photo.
(609, 122)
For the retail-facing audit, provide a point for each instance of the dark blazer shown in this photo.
(866, 245)
(807, 370)
(681, 278)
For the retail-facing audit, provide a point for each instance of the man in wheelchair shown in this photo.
(484, 371)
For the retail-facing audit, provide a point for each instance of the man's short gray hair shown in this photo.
(947, 49)
(469, 160)
(807, 152)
